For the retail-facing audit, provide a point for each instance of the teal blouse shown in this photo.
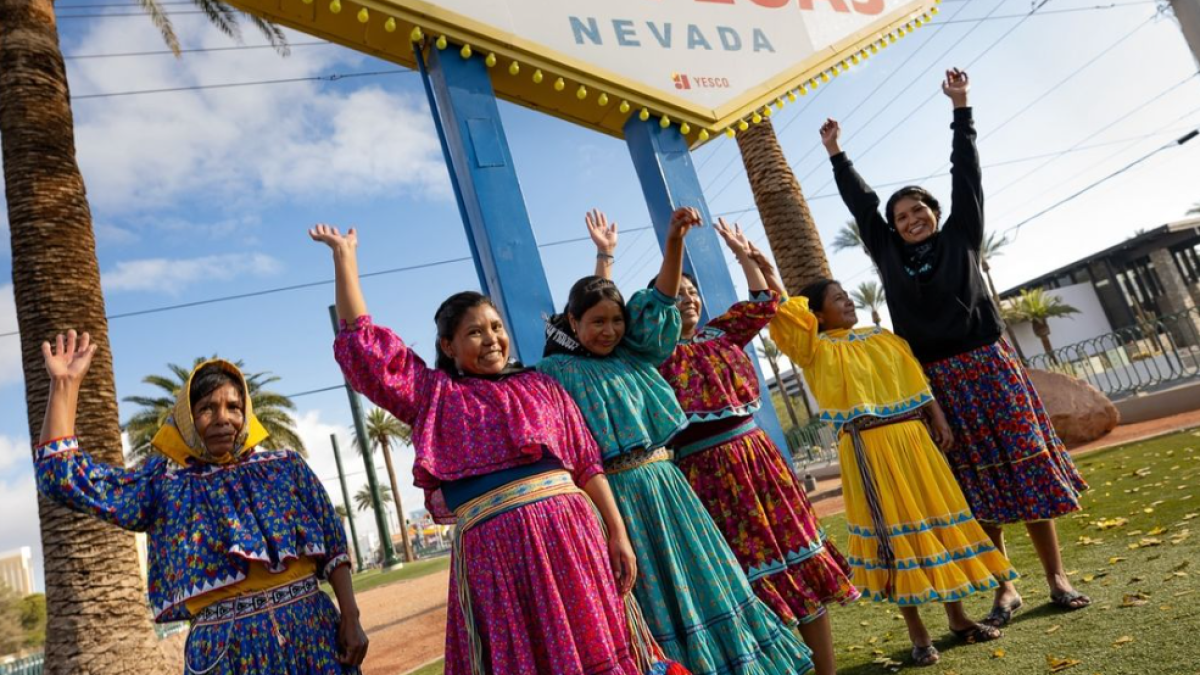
(626, 402)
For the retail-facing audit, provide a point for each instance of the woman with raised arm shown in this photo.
(735, 468)
(238, 536)
(1011, 465)
(503, 452)
(698, 604)
(912, 539)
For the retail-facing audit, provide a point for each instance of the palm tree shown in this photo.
(771, 351)
(785, 214)
(382, 430)
(1195, 210)
(1037, 307)
(98, 621)
(869, 295)
(272, 409)
(362, 498)
(848, 237)
(993, 247)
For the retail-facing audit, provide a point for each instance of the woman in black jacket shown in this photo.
(1008, 460)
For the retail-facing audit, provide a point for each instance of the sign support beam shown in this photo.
(489, 195)
(664, 167)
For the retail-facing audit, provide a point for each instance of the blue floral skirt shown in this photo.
(1011, 465)
(289, 630)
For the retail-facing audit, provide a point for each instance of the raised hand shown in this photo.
(734, 238)
(831, 134)
(768, 269)
(956, 85)
(334, 239)
(70, 357)
(682, 221)
(603, 233)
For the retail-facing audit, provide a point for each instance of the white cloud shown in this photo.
(10, 347)
(18, 500)
(241, 144)
(171, 276)
(13, 451)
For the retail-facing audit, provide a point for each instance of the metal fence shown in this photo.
(30, 665)
(1142, 357)
(813, 443)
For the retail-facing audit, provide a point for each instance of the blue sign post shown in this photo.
(664, 166)
(489, 194)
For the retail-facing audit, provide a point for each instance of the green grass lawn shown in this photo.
(1130, 549)
(365, 581)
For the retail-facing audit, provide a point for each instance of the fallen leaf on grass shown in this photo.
(1135, 599)
(872, 640)
(1115, 559)
(864, 623)
(1072, 573)
(998, 654)
(1088, 541)
(1109, 523)
(1053, 629)
(1181, 593)
(1058, 665)
(1189, 516)
(1147, 510)
(1157, 531)
(854, 648)
(1123, 640)
(1145, 471)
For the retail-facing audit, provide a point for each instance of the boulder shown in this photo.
(1078, 411)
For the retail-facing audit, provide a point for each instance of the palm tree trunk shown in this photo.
(1012, 337)
(409, 556)
(98, 622)
(785, 214)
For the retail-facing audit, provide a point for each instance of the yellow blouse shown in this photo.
(852, 373)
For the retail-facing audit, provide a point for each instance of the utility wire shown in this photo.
(198, 50)
(333, 77)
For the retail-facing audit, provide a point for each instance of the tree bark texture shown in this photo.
(409, 555)
(784, 211)
(99, 622)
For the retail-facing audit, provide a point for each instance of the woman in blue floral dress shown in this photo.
(238, 536)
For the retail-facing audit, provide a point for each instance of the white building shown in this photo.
(16, 570)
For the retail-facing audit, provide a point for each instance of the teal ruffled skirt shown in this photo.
(696, 599)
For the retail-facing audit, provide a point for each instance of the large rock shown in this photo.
(1078, 411)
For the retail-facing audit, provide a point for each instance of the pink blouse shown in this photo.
(465, 426)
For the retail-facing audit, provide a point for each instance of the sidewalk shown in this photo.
(827, 499)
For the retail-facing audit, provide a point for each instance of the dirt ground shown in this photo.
(406, 621)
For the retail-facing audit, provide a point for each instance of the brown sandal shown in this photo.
(925, 656)
(978, 633)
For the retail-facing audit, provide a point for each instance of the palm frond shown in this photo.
(868, 295)
(273, 33)
(848, 237)
(222, 16)
(163, 23)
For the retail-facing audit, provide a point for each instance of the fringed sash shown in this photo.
(855, 428)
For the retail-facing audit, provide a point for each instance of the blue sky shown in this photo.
(207, 193)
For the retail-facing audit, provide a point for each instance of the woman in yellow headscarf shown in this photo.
(238, 536)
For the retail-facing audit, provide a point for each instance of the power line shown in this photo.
(1177, 142)
(333, 77)
(198, 50)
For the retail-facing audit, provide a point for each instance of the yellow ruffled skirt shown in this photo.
(941, 553)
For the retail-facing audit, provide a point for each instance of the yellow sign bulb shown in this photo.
(363, 15)
(441, 42)
(538, 77)
(685, 129)
(791, 97)
(730, 132)
(825, 76)
(465, 52)
(560, 84)
(756, 118)
(742, 125)
(664, 122)
(602, 100)
(390, 26)
(490, 61)
(934, 10)
(581, 92)
(335, 7)
(644, 115)
(703, 135)
(514, 68)
(624, 107)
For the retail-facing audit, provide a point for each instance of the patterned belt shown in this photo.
(718, 438)
(635, 459)
(855, 428)
(255, 603)
(518, 493)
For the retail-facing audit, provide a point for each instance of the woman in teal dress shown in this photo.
(696, 599)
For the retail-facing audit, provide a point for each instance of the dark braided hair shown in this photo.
(816, 292)
(448, 316)
(585, 294)
(913, 192)
(685, 275)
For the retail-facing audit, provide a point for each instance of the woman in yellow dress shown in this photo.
(895, 480)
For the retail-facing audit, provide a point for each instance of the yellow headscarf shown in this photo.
(178, 439)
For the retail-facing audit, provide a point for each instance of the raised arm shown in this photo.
(794, 329)
(966, 182)
(740, 246)
(669, 275)
(374, 360)
(67, 474)
(604, 235)
(767, 269)
(857, 195)
(745, 320)
(350, 301)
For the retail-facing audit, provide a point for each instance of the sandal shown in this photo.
(978, 633)
(1001, 615)
(1070, 600)
(925, 656)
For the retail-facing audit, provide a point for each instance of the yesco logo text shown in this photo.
(687, 82)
